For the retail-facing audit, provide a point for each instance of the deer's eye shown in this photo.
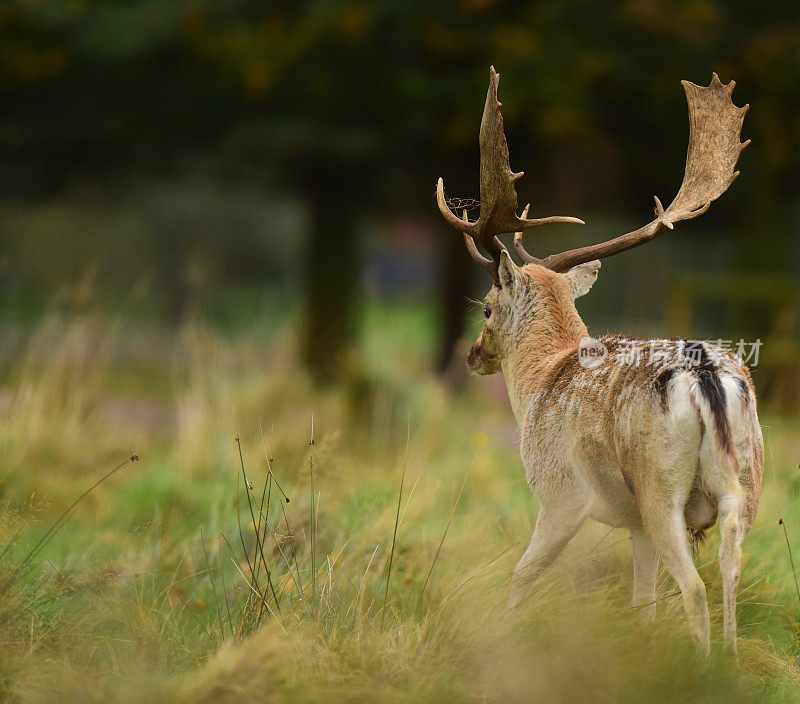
(487, 312)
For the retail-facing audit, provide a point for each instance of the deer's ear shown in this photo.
(582, 277)
(508, 273)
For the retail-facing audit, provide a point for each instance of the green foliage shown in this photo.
(372, 100)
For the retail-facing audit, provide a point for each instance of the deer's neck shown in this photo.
(541, 345)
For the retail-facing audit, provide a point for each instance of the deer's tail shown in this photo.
(718, 395)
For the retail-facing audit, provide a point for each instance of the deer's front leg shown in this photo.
(645, 571)
(557, 523)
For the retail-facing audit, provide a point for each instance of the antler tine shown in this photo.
(463, 225)
(486, 264)
(521, 251)
(498, 193)
(715, 125)
(477, 257)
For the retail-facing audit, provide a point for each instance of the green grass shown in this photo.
(140, 598)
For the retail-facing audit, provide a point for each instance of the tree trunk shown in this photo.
(453, 285)
(453, 288)
(331, 280)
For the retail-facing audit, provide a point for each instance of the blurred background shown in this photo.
(248, 159)
(220, 250)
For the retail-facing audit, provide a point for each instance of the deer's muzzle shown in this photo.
(480, 361)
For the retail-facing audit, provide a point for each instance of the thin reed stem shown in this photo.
(253, 519)
(791, 559)
(265, 496)
(394, 541)
(364, 578)
(224, 584)
(313, 519)
(61, 520)
(446, 529)
(213, 586)
(288, 567)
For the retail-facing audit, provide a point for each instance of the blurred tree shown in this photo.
(393, 91)
(358, 106)
(331, 274)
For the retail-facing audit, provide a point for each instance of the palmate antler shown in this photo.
(715, 125)
(498, 194)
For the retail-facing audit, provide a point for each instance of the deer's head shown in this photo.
(537, 298)
(530, 304)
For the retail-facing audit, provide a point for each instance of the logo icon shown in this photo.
(591, 353)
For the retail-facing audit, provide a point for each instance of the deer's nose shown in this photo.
(473, 358)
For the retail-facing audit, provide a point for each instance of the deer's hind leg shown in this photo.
(557, 523)
(662, 504)
(730, 563)
(645, 571)
(666, 475)
(666, 528)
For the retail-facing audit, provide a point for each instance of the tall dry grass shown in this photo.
(189, 576)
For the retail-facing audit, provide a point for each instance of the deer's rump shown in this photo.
(668, 416)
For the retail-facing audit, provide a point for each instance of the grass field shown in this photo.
(371, 565)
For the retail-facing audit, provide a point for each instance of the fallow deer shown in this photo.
(660, 444)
